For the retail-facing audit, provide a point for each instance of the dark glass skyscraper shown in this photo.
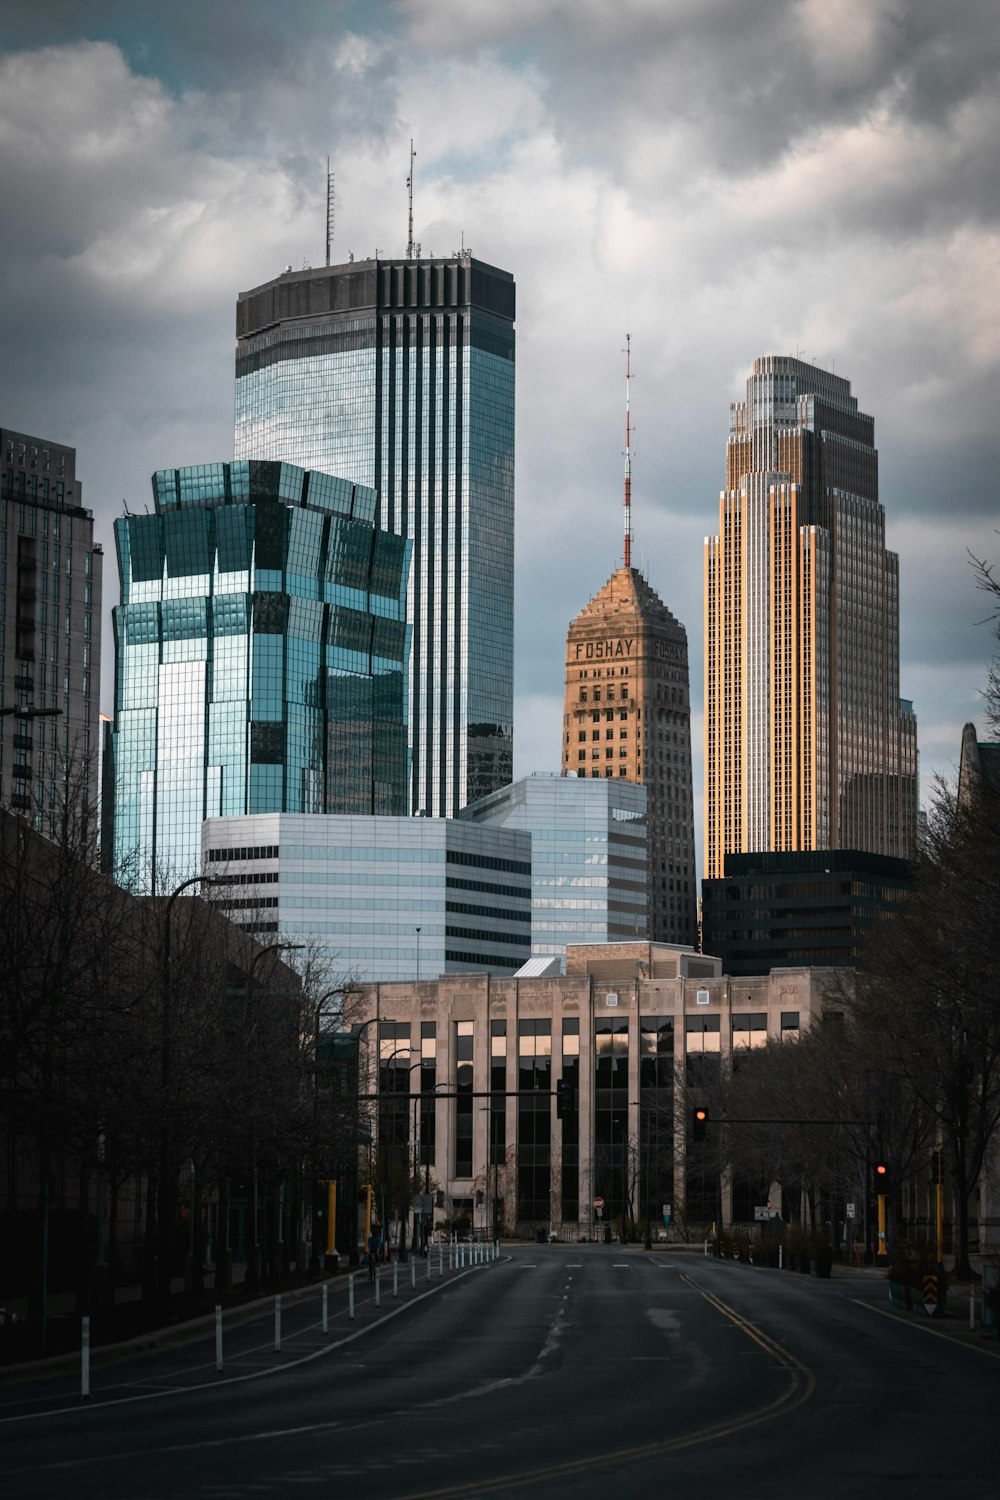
(400, 375)
(261, 656)
(50, 635)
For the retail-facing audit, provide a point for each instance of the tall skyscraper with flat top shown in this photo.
(808, 744)
(399, 374)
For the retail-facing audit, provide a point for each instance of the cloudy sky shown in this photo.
(721, 178)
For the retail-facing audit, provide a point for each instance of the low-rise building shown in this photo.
(477, 1060)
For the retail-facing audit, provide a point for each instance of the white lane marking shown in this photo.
(214, 1385)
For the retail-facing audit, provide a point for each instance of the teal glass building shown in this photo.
(261, 653)
(399, 374)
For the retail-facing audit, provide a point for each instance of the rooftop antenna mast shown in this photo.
(409, 190)
(330, 203)
(628, 450)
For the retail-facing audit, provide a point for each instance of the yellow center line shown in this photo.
(801, 1384)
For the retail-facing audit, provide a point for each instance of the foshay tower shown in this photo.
(808, 744)
(627, 714)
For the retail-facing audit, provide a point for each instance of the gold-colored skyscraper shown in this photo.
(807, 742)
(627, 714)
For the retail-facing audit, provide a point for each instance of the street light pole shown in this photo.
(331, 1228)
(252, 1280)
(166, 1185)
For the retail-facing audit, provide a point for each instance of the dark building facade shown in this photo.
(399, 375)
(810, 909)
(50, 632)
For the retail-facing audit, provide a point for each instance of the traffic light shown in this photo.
(564, 1100)
(882, 1178)
(699, 1120)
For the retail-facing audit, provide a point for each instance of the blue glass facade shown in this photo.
(385, 898)
(588, 857)
(261, 658)
(400, 375)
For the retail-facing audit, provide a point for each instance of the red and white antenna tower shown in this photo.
(628, 450)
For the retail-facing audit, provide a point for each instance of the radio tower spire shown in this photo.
(409, 190)
(628, 450)
(330, 206)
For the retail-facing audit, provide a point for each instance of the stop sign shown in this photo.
(598, 1202)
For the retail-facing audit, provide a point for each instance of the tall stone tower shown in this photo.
(627, 714)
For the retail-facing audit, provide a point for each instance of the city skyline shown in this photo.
(187, 161)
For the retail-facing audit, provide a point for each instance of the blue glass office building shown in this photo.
(589, 855)
(261, 658)
(400, 375)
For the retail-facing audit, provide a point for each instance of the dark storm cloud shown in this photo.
(726, 178)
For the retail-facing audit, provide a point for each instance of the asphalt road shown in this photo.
(558, 1371)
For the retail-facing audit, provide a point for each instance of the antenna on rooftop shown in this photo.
(330, 206)
(628, 450)
(409, 190)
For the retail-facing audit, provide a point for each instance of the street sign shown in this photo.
(761, 1213)
(666, 1210)
(850, 1211)
(598, 1204)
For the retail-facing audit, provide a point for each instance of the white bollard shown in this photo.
(277, 1324)
(441, 1259)
(326, 1308)
(218, 1337)
(395, 1278)
(428, 1262)
(413, 1273)
(781, 1257)
(350, 1295)
(378, 1286)
(84, 1359)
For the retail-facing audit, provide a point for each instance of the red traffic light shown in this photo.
(882, 1177)
(698, 1122)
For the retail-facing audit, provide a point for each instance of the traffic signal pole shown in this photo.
(881, 1253)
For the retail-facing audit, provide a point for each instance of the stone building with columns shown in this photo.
(465, 1071)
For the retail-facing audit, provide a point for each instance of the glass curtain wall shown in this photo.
(703, 1065)
(611, 1141)
(570, 1185)
(534, 1117)
(261, 658)
(392, 1179)
(465, 1040)
(498, 1121)
(656, 1118)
